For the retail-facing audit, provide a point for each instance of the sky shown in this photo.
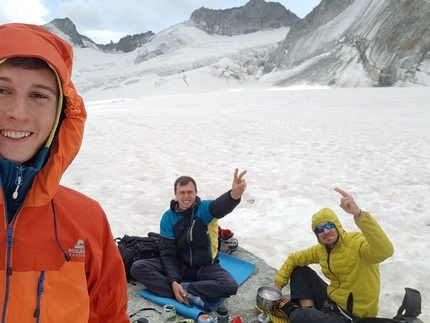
(146, 128)
(106, 20)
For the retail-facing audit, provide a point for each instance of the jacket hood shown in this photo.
(25, 40)
(326, 215)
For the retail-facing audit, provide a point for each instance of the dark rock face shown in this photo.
(125, 44)
(323, 13)
(69, 28)
(388, 41)
(254, 16)
(128, 43)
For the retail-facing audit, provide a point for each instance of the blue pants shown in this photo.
(208, 282)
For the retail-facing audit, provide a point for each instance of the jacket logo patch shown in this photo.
(80, 244)
(78, 250)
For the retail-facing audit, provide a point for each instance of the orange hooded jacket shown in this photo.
(37, 282)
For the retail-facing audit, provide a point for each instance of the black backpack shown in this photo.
(410, 308)
(133, 248)
(407, 313)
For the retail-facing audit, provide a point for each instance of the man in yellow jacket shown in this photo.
(350, 261)
(58, 259)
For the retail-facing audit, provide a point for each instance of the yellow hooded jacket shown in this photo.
(37, 283)
(352, 266)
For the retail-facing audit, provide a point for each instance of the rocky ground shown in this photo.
(243, 303)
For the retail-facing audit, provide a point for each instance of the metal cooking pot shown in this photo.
(268, 298)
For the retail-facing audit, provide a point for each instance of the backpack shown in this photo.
(407, 313)
(410, 308)
(133, 248)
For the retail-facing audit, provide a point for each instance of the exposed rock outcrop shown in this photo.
(128, 43)
(69, 28)
(383, 42)
(66, 29)
(254, 16)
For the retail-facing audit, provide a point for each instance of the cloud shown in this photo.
(28, 11)
(85, 14)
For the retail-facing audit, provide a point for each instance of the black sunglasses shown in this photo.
(328, 226)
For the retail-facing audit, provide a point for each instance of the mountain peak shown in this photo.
(69, 28)
(252, 3)
(253, 16)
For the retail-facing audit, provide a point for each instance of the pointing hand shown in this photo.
(348, 204)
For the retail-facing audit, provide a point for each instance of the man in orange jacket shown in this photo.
(58, 259)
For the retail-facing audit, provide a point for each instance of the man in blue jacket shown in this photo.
(188, 247)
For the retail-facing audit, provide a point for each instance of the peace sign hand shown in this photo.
(239, 185)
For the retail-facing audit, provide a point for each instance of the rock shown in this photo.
(254, 16)
(357, 43)
(66, 29)
(69, 28)
(243, 303)
(128, 43)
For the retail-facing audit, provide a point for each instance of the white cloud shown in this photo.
(28, 11)
(84, 14)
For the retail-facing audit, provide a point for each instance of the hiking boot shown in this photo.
(287, 308)
(229, 245)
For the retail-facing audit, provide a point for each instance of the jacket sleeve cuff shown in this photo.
(172, 280)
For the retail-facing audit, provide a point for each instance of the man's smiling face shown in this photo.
(328, 236)
(28, 104)
(186, 195)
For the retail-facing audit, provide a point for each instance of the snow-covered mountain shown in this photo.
(353, 43)
(180, 59)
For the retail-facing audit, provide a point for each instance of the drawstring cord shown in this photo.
(40, 291)
(9, 244)
(56, 233)
(41, 280)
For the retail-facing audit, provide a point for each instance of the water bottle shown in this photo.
(221, 313)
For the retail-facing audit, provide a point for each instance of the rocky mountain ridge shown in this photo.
(384, 42)
(67, 30)
(353, 43)
(254, 16)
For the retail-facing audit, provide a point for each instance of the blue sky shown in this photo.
(106, 20)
